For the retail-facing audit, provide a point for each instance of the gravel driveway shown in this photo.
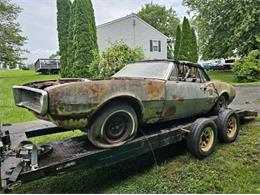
(248, 97)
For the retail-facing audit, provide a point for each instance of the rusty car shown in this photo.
(141, 93)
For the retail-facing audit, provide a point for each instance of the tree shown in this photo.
(11, 39)
(114, 59)
(185, 45)
(177, 43)
(82, 39)
(63, 18)
(194, 47)
(54, 55)
(163, 19)
(226, 27)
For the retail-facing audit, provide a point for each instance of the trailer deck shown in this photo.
(22, 161)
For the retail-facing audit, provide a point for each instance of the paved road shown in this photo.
(248, 97)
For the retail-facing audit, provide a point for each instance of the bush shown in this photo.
(247, 69)
(113, 59)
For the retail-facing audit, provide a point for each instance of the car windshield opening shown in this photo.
(154, 70)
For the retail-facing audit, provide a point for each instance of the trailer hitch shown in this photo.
(30, 152)
(26, 155)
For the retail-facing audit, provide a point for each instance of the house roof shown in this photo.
(130, 16)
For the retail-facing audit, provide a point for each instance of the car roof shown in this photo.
(169, 60)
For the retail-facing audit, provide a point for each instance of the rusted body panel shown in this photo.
(71, 105)
(221, 88)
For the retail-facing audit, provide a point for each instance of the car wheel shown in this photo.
(115, 125)
(202, 138)
(220, 105)
(228, 126)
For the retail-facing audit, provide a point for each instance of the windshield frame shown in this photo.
(165, 76)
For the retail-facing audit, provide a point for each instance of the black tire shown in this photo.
(221, 104)
(228, 126)
(115, 125)
(202, 138)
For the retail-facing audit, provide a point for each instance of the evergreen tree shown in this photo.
(82, 39)
(194, 47)
(63, 18)
(185, 52)
(177, 43)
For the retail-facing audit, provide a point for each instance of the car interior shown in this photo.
(186, 73)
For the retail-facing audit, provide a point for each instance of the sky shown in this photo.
(38, 20)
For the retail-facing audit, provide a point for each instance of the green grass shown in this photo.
(233, 168)
(229, 78)
(9, 113)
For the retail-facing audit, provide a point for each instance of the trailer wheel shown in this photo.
(228, 126)
(115, 125)
(202, 137)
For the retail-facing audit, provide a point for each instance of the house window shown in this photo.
(155, 46)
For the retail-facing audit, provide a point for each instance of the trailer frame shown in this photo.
(21, 163)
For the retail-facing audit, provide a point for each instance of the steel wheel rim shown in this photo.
(206, 139)
(222, 103)
(231, 127)
(117, 126)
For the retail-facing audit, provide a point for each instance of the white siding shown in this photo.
(134, 32)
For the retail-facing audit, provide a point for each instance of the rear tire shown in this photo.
(228, 126)
(221, 105)
(202, 138)
(115, 125)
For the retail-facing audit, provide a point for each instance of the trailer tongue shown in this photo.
(23, 161)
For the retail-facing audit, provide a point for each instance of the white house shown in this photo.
(135, 32)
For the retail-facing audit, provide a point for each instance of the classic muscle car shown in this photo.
(141, 93)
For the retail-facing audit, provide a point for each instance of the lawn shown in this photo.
(229, 78)
(233, 168)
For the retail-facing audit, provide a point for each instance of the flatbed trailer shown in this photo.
(23, 161)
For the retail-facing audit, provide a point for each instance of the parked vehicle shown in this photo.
(141, 93)
(207, 66)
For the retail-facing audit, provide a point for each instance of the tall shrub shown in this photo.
(193, 47)
(177, 43)
(63, 18)
(247, 69)
(82, 39)
(185, 52)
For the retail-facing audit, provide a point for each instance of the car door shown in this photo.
(186, 94)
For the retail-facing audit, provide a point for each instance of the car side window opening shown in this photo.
(203, 76)
(174, 74)
(181, 72)
(189, 74)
